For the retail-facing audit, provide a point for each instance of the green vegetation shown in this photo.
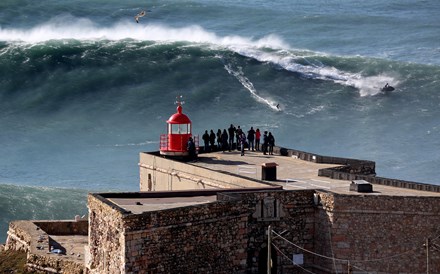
(13, 262)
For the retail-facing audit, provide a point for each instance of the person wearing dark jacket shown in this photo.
(271, 142)
(191, 149)
(231, 131)
(219, 139)
(212, 140)
(265, 143)
(238, 133)
(205, 138)
(224, 140)
(251, 138)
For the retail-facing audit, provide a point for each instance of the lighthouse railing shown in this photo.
(163, 142)
(196, 142)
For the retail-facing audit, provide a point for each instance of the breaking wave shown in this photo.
(269, 49)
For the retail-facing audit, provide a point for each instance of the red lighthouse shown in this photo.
(175, 142)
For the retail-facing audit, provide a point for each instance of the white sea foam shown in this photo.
(69, 27)
(238, 73)
(271, 48)
(371, 85)
(367, 86)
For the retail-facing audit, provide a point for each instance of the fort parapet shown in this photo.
(214, 215)
(353, 169)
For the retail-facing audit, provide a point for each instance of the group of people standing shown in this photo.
(224, 140)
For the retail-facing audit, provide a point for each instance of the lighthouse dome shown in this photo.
(179, 117)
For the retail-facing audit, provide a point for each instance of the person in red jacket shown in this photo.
(257, 139)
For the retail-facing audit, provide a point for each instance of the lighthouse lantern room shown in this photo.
(175, 142)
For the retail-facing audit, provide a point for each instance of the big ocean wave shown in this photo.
(39, 203)
(87, 41)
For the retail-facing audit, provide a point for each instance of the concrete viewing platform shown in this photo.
(292, 173)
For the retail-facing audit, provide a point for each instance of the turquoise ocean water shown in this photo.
(84, 88)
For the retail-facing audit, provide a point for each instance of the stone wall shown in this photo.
(201, 239)
(49, 263)
(27, 235)
(227, 236)
(19, 236)
(294, 222)
(161, 174)
(377, 234)
(106, 237)
(60, 227)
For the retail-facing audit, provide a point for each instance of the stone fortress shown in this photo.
(291, 212)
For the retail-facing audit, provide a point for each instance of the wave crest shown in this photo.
(69, 27)
(269, 49)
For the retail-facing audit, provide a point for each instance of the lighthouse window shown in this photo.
(175, 129)
(180, 128)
